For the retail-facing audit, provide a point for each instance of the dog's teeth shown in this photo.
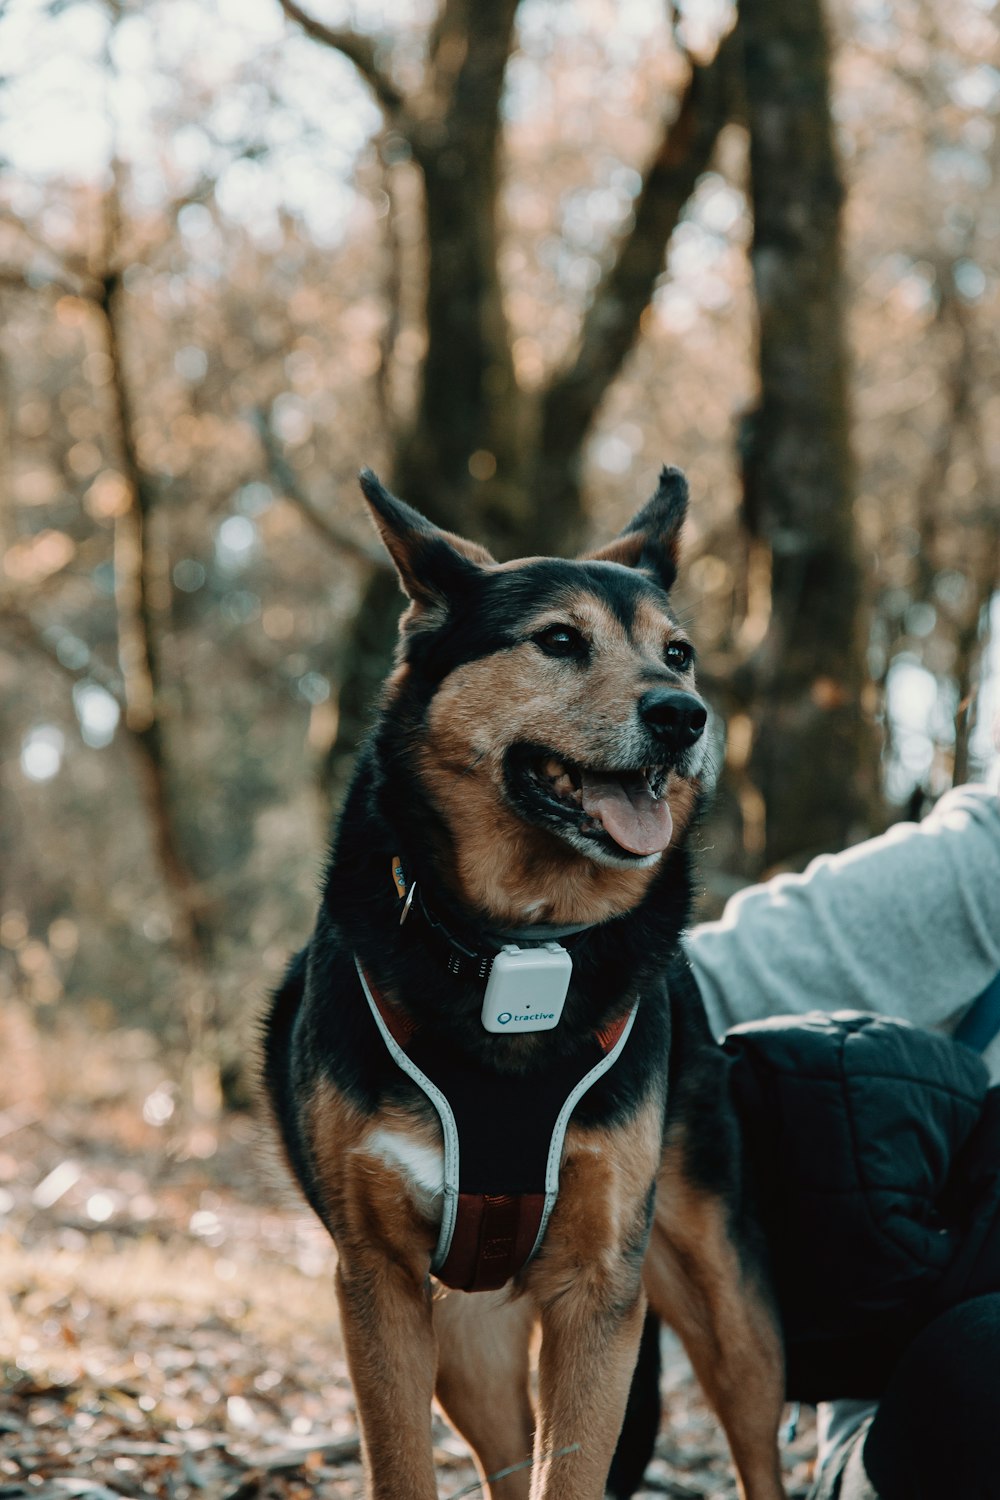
(563, 781)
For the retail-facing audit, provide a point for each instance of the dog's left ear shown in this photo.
(433, 565)
(651, 540)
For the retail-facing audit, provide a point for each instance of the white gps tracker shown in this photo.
(527, 988)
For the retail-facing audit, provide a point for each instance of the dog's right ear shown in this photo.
(651, 540)
(433, 565)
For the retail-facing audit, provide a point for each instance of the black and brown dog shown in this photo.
(522, 805)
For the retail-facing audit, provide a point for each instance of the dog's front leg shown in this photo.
(588, 1284)
(385, 1311)
(590, 1340)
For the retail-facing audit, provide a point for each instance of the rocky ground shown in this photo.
(167, 1320)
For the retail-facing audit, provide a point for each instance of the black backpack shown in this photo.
(873, 1155)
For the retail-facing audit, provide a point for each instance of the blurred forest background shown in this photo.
(514, 256)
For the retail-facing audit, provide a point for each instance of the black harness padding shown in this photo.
(503, 1139)
(505, 1121)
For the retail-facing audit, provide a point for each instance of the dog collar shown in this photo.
(470, 959)
(503, 1141)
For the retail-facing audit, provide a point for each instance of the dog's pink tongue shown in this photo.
(628, 811)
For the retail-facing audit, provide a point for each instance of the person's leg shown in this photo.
(937, 1429)
(936, 1433)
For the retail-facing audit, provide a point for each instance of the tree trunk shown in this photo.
(811, 759)
(481, 456)
(461, 460)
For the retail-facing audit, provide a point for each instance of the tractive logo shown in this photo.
(542, 1015)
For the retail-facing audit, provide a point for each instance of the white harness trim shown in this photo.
(449, 1129)
(562, 1122)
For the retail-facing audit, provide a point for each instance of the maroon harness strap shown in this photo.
(493, 1237)
(494, 1233)
(609, 1036)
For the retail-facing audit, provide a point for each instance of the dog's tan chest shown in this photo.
(415, 1159)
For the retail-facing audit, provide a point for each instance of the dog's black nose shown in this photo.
(676, 719)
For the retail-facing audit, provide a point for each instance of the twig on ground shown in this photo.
(526, 1463)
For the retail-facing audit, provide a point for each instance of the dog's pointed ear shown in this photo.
(651, 540)
(433, 565)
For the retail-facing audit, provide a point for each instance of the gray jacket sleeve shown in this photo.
(907, 924)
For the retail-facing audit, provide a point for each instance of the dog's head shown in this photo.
(552, 722)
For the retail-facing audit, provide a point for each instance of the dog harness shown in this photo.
(503, 1141)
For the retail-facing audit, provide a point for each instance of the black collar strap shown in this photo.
(472, 958)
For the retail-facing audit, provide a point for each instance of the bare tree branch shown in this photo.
(45, 642)
(359, 49)
(146, 251)
(341, 541)
(960, 420)
(134, 589)
(22, 280)
(469, 399)
(138, 651)
(958, 384)
(134, 585)
(393, 284)
(75, 263)
(447, 52)
(612, 321)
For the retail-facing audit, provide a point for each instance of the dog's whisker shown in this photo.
(473, 764)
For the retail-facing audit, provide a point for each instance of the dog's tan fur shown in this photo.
(501, 864)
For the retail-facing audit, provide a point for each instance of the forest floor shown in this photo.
(167, 1319)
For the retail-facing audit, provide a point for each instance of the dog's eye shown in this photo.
(679, 655)
(560, 640)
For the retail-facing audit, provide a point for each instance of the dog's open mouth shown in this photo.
(621, 809)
